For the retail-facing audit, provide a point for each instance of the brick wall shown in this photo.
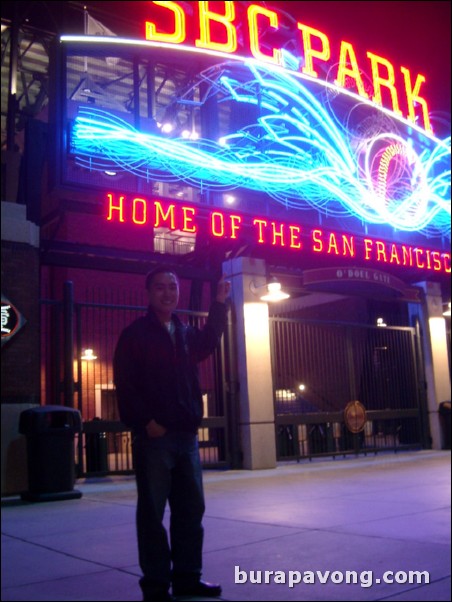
(20, 370)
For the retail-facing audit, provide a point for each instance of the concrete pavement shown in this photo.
(305, 528)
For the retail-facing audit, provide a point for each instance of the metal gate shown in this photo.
(78, 342)
(322, 370)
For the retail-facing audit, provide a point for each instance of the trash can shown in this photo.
(50, 434)
(444, 416)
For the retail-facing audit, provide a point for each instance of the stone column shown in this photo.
(437, 372)
(256, 415)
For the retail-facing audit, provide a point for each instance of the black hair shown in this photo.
(161, 269)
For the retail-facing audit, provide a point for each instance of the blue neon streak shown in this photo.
(295, 153)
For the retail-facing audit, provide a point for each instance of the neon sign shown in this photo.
(298, 152)
(272, 233)
(218, 32)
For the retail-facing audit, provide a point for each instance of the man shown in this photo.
(159, 397)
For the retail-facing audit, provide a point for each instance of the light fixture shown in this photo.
(446, 312)
(381, 323)
(272, 291)
(189, 134)
(167, 127)
(88, 355)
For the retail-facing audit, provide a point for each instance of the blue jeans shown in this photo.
(168, 469)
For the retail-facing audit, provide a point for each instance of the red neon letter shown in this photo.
(380, 82)
(348, 66)
(294, 237)
(278, 234)
(332, 245)
(446, 257)
(381, 251)
(179, 33)
(318, 248)
(368, 242)
(261, 223)
(418, 252)
(215, 218)
(160, 213)
(253, 11)
(309, 53)
(407, 255)
(348, 246)
(143, 205)
(112, 208)
(188, 219)
(394, 255)
(235, 221)
(413, 98)
(436, 261)
(205, 18)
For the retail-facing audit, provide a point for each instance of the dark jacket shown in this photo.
(158, 379)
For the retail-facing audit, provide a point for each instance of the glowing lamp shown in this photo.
(272, 291)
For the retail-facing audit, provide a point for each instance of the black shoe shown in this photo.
(200, 589)
(155, 591)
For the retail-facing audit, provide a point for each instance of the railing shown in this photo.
(70, 377)
(105, 447)
(326, 434)
(319, 368)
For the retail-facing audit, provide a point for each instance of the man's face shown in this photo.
(164, 295)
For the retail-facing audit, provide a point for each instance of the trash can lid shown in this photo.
(49, 417)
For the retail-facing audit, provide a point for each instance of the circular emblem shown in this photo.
(12, 320)
(355, 416)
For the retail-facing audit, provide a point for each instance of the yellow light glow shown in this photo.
(274, 293)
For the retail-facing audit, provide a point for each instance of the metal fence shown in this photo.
(78, 342)
(319, 368)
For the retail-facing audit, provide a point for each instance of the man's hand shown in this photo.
(223, 290)
(154, 429)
